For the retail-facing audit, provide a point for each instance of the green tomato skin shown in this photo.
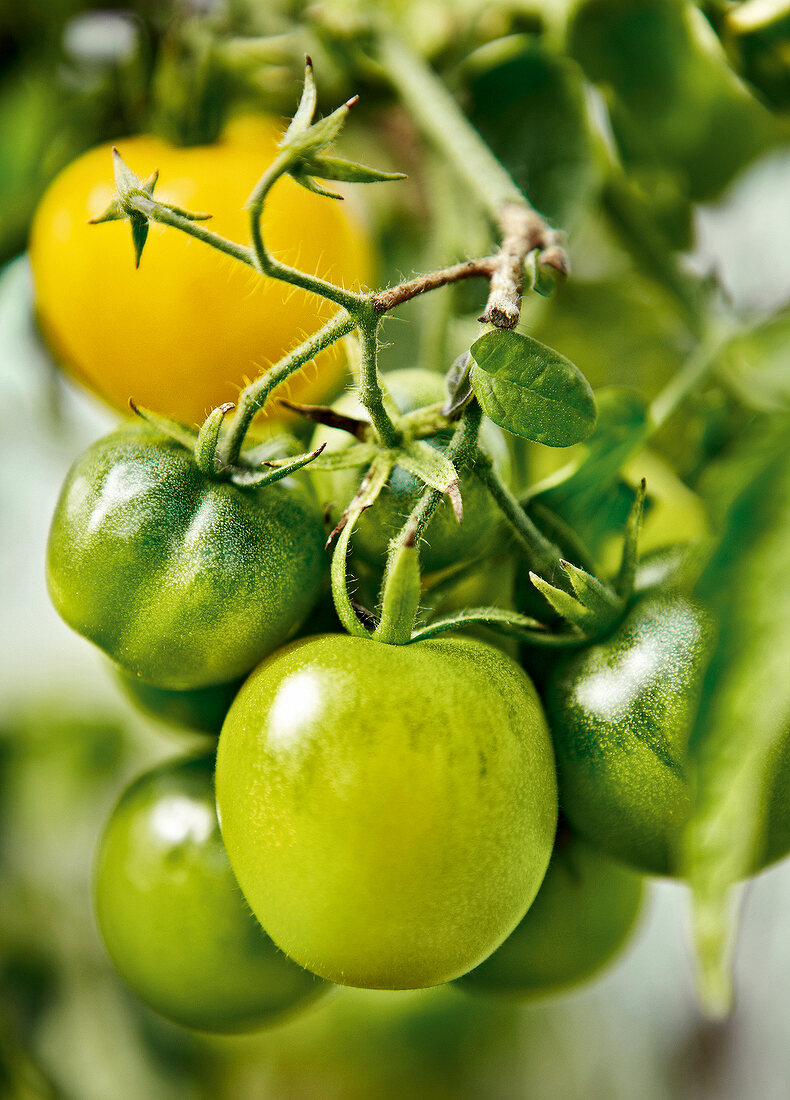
(446, 541)
(621, 714)
(389, 811)
(581, 918)
(171, 914)
(183, 581)
(200, 710)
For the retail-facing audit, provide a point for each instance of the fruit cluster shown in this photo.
(386, 815)
(460, 771)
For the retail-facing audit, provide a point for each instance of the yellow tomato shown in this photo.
(186, 330)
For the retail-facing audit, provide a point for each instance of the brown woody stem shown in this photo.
(384, 300)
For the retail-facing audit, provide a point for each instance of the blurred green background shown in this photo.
(626, 123)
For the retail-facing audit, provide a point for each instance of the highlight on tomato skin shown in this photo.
(171, 915)
(185, 581)
(188, 329)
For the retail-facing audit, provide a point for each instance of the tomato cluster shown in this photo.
(389, 812)
(376, 814)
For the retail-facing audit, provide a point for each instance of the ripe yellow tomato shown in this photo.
(184, 332)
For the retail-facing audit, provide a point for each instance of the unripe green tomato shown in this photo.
(201, 710)
(172, 916)
(621, 714)
(184, 581)
(446, 541)
(389, 811)
(582, 917)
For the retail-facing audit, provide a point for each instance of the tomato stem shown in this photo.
(542, 555)
(155, 211)
(400, 610)
(372, 484)
(371, 393)
(443, 123)
(268, 265)
(254, 397)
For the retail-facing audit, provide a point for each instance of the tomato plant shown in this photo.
(446, 541)
(389, 811)
(184, 332)
(387, 788)
(183, 580)
(171, 915)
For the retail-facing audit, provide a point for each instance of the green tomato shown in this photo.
(621, 714)
(446, 541)
(201, 710)
(182, 580)
(582, 917)
(171, 914)
(389, 811)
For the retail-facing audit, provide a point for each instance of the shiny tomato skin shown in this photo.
(173, 918)
(389, 811)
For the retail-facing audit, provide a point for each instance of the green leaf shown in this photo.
(744, 711)
(505, 622)
(172, 428)
(565, 605)
(348, 171)
(433, 468)
(630, 558)
(531, 390)
(309, 184)
(308, 102)
(372, 484)
(676, 101)
(139, 226)
(597, 597)
(347, 458)
(400, 596)
(459, 388)
(208, 437)
(252, 479)
(756, 362)
(125, 179)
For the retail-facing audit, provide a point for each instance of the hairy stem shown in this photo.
(461, 452)
(438, 116)
(370, 392)
(158, 212)
(503, 307)
(268, 265)
(384, 300)
(542, 554)
(254, 397)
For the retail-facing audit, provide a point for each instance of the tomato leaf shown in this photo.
(433, 468)
(745, 706)
(459, 388)
(277, 470)
(531, 390)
